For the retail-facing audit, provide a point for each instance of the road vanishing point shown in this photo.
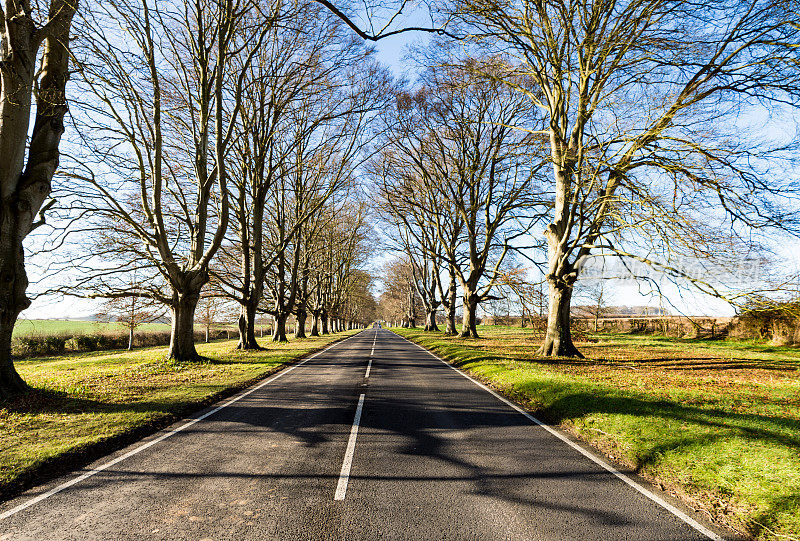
(372, 438)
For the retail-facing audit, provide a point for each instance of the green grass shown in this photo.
(60, 326)
(84, 405)
(716, 422)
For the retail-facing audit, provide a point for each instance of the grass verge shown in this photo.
(86, 405)
(716, 423)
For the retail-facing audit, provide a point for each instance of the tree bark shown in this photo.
(181, 347)
(130, 338)
(315, 323)
(324, 319)
(25, 186)
(412, 313)
(13, 283)
(450, 307)
(469, 326)
(430, 321)
(247, 327)
(11, 384)
(300, 331)
(558, 338)
(280, 329)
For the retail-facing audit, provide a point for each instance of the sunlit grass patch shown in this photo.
(718, 422)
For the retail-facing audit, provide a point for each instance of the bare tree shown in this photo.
(399, 300)
(163, 89)
(638, 97)
(212, 309)
(310, 91)
(594, 292)
(132, 313)
(30, 155)
(453, 147)
(412, 233)
(530, 298)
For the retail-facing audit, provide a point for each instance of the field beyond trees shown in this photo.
(715, 422)
(26, 327)
(85, 405)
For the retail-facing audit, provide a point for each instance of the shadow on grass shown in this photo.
(668, 361)
(44, 401)
(749, 426)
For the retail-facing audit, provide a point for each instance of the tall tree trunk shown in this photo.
(181, 346)
(469, 325)
(315, 323)
(412, 313)
(561, 275)
(450, 308)
(430, 321)
(12, 302)
(558, 338)
(25, 186)
(11, 383)
(280, 328)
(130, 338)
(247, 327)
(300, 331)
(324, 319)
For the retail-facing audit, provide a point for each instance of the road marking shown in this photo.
(371, 354)
(98, 469)
(591, 456)
(344, 476)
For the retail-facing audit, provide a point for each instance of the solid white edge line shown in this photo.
(591, 456)
(344, 476)
(95, 471)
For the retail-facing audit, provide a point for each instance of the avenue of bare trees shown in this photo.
(243, 150)
(210, 142)
(633, 145)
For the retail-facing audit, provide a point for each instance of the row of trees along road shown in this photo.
(460, 183)
(212, 141)
(633, 148)
(615, 126)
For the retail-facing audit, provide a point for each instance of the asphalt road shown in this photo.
(432, 456)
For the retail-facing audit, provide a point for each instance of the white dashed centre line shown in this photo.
(371, 355)
(344, 476)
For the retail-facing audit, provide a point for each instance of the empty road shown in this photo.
(374, 438)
